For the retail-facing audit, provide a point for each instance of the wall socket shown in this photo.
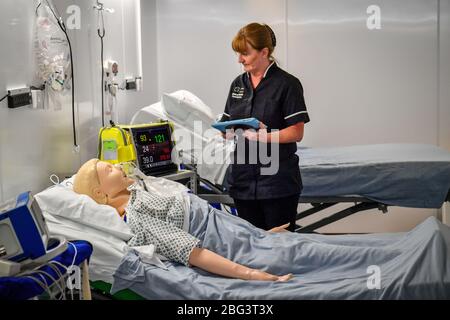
(133, 83)
(130, 84)
(19, 97)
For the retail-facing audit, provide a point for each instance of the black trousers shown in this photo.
(270, 213)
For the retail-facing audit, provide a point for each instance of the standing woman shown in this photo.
(275, 98)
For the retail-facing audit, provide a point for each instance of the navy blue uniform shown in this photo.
(279, 103)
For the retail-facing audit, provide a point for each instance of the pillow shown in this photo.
(185, 108)
(152, 113)
(61, 200)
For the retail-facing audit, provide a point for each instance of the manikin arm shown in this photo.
(212, 262)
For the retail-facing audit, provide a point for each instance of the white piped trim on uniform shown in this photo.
(267, 70)
(293, 115)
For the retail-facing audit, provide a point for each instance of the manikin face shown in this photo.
(253, 60)
(112, 179)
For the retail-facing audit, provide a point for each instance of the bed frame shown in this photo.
(319, 204)
(215, 194)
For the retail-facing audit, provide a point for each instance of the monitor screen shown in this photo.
(153, 146)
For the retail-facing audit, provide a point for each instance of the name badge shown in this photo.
(238, 93)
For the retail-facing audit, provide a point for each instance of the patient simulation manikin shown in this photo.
(158, 220)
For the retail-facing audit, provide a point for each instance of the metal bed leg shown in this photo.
(340, 215)
(317, 207)
(86, 289)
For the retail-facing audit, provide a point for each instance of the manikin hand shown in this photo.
(280, 228)
(264, 276)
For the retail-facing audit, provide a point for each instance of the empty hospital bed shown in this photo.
(411, 265)
(368, 176)
(371, 176)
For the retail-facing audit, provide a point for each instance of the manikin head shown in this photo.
(101, 181)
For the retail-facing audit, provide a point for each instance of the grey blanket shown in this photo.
(412, 265)
(406, 175)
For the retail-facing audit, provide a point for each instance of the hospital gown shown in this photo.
(158, 220)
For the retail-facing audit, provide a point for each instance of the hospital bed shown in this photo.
(370, 177)
(367, 176)
(413, 264)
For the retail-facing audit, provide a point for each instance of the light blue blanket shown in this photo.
(413, 265)
(407, 175)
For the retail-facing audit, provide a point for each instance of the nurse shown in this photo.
(275, 98)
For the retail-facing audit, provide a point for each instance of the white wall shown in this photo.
(37, 143)
(444, 85)
(361, 86)
(379, 84)
(194, 43)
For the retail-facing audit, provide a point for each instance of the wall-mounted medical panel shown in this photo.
(365, 85)
(33, 143)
